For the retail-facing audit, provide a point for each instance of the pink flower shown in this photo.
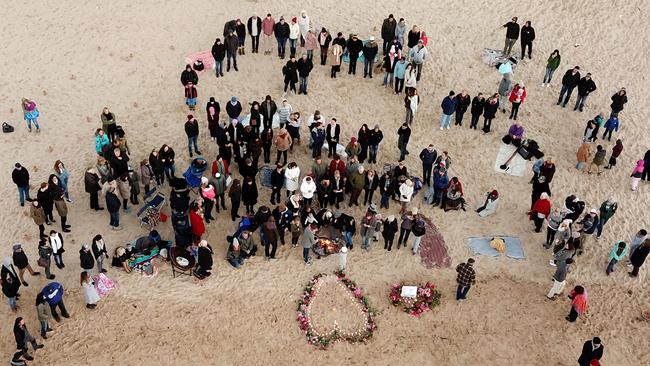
(357, 292)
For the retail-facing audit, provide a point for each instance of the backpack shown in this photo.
(418, 227)
(7, 128)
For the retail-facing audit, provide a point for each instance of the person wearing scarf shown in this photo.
(99, 252)
(56, 242)
(578, 298)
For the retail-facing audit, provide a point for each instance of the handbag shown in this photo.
(42, 262)
(7, 128)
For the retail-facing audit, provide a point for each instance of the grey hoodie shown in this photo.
(400, 31)
(505, 86)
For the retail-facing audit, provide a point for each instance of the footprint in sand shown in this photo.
(50, 148)
(172, 47)
(88, 119)
(135, 105)
(45, 92)
(99, 48)
(155, 124)
(11, 110)
(73, 77)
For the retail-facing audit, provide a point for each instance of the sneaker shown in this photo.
(448, 127)
(552, 263)
(441, 128)
(69, 200)
(39, 346)
(117, 228)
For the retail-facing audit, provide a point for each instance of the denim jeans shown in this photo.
(599, 227)
(366, 241)
(416, 243)
(12, 303)
(367, 66)
(115, 219)
(305, 254)
(461, 292)
(30, 121)
(192, 141)
(242, 41)
(58, 259)
(388, 79)
(231, 56)
(385, 199)
(282, 44)
(190, 101)
(548, 75)
(218, 67)
(236, 262)
(580, 101)
(303, 84)
(44, 326)
(409, 116)
(347, 236)
(445, 120)
(610, 266)
(310, 54)
(23, 194)
(292, 46)
(419, 70)
(170, 171)
(565, 90)
(372, 153)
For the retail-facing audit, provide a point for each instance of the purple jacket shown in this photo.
(516, 131)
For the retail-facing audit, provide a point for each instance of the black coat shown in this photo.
(512, 30)
(91, 182)
(249, 25)
(412, 39)
(290, 71)
(277, 178)
(304, 67)
(490, 110)
(281, 30)
(20, 259)
(388, 29)
(113, 203)
(20, 177)
(363, 137)
(375, 137)
(586, 86)
(119, 166)
(167, 157)
(268, 109)
(45, 200)
(249, 193)
(228, 26)
(638, 257)
(463, 103)
(477, 106)
(390, 229)
(233, 110)
(332, 136)
(10, 282)
(192, 128)
(156, 164)
(232, 43)
(588, 354)
(371, 185)
(527, 34)
(386, 185)
(370, 51)
(86, 259)
(355, 47)
(618, 101)
(240, 29)
(189, 75)
(570, 80)
(219, 51)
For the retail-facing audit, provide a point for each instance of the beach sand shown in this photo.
(74, 58)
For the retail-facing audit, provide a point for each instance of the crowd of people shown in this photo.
(315, 197)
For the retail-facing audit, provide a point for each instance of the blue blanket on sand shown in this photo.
(481, 245)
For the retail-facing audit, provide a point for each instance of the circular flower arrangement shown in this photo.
(427, 298)
(357, 327)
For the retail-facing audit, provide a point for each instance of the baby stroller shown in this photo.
(149, 215)
(195, 171)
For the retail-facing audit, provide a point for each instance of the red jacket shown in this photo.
(190, 92)
(513, 94)
(198, 227)
(541, 206)
(214, 167)
(340, 167)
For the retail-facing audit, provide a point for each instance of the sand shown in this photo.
(74, 58)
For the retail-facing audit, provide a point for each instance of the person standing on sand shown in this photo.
(308, 241)
(512, 33)
(559, 278)
(232, 46)
(324, 40)
(551, 65)
(448, 106)
(517, 97)
(585, 87)
(30, 114)
(583, 154)
(570, 80)
(404, 134)
(418, 55)
(268, 25)
(190, 95)
(192, 132)
(579, 299)
(478, 104)
(599, 160)
(254, 26)
(618, 102)
(610, 126)
(619, 251)
(607, 210)
(505, 88)
(218, 53)
(490, 111)
(388, 31)
(20, 177)
(616, 152)
(399, 72)
(370, 51)
(638, 257)
(527, 38)
(282, 31)
(592, 351)
(465, 279)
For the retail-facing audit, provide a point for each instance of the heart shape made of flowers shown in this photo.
(332, 308)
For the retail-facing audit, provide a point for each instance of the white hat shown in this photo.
(372, 38)
(344, 249)
(204, 180)
(593, 211)
(414, 210)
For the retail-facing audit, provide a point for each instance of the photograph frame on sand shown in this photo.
(426, 298)
(323, 340)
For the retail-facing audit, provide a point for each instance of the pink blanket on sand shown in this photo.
(205, 56)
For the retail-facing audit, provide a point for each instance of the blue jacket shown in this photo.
(399, 70)
(53, 293)
(100, 142)
(318, 136)
(449, 105)
(440, 181)
(612, 124)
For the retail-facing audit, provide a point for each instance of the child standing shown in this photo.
(636, 174)
(190, 95)
(296, 230)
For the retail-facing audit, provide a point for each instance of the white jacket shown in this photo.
(307, 188)
(294, 31)
(304, 24)
(292, 178)
(405, 193)
(411, 78)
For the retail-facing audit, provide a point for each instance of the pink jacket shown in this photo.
(639, 167)
(267, 26)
